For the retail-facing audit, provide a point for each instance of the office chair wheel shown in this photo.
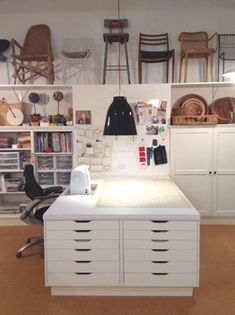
(18, 255)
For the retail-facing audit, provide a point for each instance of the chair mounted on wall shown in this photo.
(226, 51)
(35, 57)
(196, 45)
(155, 49)
(41, 199)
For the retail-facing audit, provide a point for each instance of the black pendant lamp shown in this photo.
(119, 118)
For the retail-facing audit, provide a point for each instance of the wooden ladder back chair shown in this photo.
(116, 35)
(196, 45)
(35, 57)
(155, 49)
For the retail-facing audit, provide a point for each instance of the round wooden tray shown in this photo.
(195, 104)
(222, 108)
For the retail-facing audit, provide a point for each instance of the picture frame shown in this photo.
(83, 117)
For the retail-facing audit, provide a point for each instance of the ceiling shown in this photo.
(8, 6)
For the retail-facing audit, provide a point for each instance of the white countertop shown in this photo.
(126, 198)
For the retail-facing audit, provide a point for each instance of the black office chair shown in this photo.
(41, 201)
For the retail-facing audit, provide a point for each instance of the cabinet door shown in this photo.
(224, 171)
(191, 165)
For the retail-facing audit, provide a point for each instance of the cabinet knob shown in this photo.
(210, 173)
(215, 172)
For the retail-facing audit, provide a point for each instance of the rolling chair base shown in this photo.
(37, 240)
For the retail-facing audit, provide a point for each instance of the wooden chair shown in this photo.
(35, 56)
(119, 37)
(195, 45)
(155, 49)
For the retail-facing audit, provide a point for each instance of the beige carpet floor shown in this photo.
(22, 290)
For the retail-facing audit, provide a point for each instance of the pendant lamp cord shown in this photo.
(119, 51)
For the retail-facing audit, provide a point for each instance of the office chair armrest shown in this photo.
(53, 189)
(31, 206)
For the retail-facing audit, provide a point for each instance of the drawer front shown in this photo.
(82, 254)
(164, 280)
(160, 235)
(82, 279)
(161, 225)
(160, 266)
(82, 244)
(82, 225)
(160, 244)
(162, 254)
(83, 234)
(83, 266)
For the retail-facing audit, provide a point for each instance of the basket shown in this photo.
(195, 120)
(194, 102)
(76, 54)
(222, 108)
(179, 111)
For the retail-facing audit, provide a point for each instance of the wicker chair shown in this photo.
(195, 45)
(155, 49)
(35, 56)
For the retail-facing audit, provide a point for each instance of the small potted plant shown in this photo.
(59, 119)
(34, 118)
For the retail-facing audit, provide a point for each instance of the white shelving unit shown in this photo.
(11, 178)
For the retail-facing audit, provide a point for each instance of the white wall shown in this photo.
(124, 149)
(85, 19)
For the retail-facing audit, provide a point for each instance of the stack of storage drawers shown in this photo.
(9, 161)
(161, 253)
(82, 253)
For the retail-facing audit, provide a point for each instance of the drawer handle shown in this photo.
(159, 273)
(159, 221)
(160, 241)
(83, 273)
(76, 240)
(82, 261)
(160, 231)
(82, 221)
(82, 231)
(160, 261)
(160, 250)
(82, 249)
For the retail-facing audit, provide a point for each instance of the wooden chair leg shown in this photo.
(105, 62)
(207, 69)
(212, 68)
(185, 68)
(127, 63)
(139, 71)
(167, 70)
(173, 67)
(180, 70)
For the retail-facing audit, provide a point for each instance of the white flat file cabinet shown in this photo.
(91, 250)
(150, 257)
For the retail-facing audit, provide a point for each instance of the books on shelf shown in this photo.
(56, 141)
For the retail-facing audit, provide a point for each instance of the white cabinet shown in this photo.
(224, 171)
(82, 253)
(202, 164)
(161, 253)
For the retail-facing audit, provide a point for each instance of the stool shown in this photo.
(120, 38)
